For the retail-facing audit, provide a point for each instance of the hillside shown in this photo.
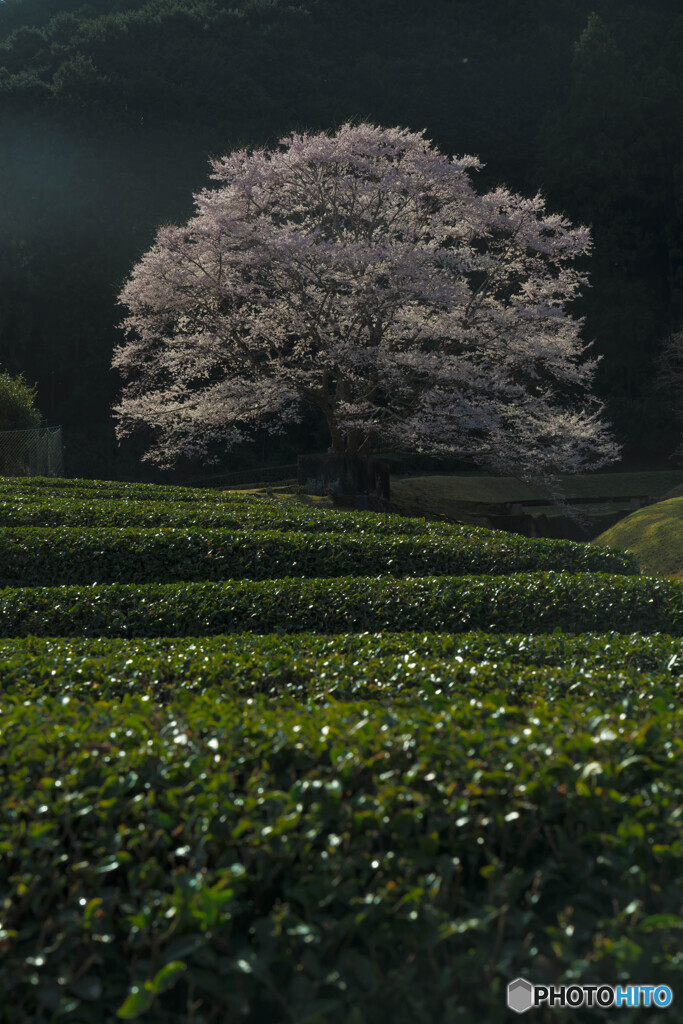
(654, 536)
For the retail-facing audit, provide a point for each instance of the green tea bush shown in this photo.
(256, 514)
(227, 860)
(382, 667)
(583, 651)
(34, 556)
(275, 790)
(73, 487)
(530, 602)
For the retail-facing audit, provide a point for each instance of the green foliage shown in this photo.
(43, 508)
(325, 800)
(45, 556)
(17, 413)
(17, 404)
(30, 488)
(383, 667)
(348, 863)
(531, 602)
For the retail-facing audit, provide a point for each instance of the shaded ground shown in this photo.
(655, 537)
(471, 487)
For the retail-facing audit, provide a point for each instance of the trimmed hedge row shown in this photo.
(33, 556)
(18, 487)
(420, 818)
(529, 602)
(382, 667)
(258, 514)
(230, 860)
(583, 651)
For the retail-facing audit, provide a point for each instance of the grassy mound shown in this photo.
(654, 536)
(675, 492)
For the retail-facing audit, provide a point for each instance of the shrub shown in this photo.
(17, 404)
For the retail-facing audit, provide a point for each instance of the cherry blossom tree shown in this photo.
(360, 272)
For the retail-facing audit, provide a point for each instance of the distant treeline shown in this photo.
(109, 110)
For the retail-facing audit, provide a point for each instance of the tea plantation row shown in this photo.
(343, 863)
(381, 666)
(264, 762)
(63, 487)
(251, 514)
(31, 556)
(62, 506)
(528, 602)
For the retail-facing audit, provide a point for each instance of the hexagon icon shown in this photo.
(520, 995)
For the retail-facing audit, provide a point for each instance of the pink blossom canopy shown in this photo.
(360, 272)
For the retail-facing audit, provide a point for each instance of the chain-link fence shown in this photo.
(36, 452)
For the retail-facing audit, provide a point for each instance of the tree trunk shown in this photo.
(344, 474)
(338, 446)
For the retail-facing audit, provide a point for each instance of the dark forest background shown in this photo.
(109, 110)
